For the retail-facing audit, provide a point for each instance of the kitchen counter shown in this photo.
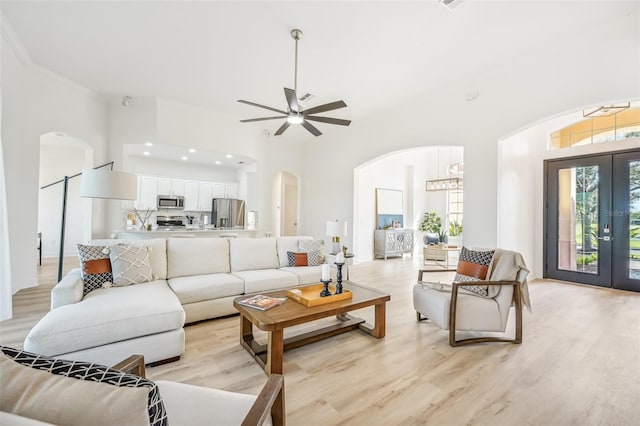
(137, 234)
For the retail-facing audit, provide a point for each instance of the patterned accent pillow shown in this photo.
(130, 264)
(47, 383)
(473, 265)
(96, 267)
(306, 246)
(311, 258)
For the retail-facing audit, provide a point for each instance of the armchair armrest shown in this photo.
(133, 365)
(269, 401)
(422, 271)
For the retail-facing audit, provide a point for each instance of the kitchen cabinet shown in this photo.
(231, 190)
(392, 242)
(219, 190)
(205, 195)
(147, 193)
(191, 195)
(167, 186)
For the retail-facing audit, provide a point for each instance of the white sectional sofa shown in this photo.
(194, 279)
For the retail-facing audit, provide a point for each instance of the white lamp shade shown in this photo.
(336, 229)
(100, 183)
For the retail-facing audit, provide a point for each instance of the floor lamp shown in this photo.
(96, 183)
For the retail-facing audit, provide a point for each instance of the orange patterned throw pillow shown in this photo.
(473, 265)
(311, 258)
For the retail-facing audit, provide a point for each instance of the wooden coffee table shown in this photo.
(291, 313)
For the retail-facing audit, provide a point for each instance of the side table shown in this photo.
(438, 252)
(348, 260)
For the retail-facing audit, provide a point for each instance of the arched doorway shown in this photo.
(62, 155)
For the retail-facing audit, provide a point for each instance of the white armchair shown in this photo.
(454, 308)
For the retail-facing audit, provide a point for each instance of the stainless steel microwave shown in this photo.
(175, 202)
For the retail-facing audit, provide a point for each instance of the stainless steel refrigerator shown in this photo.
(227, 213)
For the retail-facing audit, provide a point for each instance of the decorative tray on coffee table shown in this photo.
(310, 295)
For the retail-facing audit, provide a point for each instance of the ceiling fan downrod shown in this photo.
(296, 34)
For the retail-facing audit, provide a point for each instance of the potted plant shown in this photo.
(431, 224)
(455, 233)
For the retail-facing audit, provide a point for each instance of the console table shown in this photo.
(392, 242)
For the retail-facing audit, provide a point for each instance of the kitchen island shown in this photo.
(137, 234)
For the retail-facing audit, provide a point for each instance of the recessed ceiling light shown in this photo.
(184, 158)
(229, 156)
(217, 162)
(146, 153)
(191, 150)
(148, 144)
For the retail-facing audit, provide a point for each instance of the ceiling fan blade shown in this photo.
(292, 99)
(311, 128)
(259, 119)
(262, 106)
(329, 120)
(326, 107)
(282, 128)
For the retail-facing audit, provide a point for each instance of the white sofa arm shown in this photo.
(68, 290)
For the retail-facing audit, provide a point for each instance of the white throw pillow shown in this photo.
(308, 246)
(130, 264)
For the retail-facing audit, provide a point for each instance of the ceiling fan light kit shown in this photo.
(294, 114)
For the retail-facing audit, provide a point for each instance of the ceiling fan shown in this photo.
(294, 114)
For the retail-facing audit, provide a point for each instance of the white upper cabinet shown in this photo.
(167, 186)
(218, 190)
(205, 195)
(197, 194)
(231, 190)
(191, 196)
(147, 192)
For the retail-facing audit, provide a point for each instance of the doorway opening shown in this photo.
(286, 194)
(62, 155)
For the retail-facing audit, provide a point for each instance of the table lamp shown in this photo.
(336, 230)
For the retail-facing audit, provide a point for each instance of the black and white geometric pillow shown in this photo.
(306, 246)
(473, 265)
(96, 267)
(311, 258)
(95, 373)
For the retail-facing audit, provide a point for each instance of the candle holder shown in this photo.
(325, 290)
(339, 278)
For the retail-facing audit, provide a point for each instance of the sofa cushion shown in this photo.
(266, 280)
(72, 392)
(305, 274)
(253, 253)
(130, 264)
(105, 316)
(285, 244)
(206, 287)
(157, 253)
(197, 256)
(96, 267)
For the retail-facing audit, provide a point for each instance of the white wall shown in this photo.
(36, 102)
(520, 210)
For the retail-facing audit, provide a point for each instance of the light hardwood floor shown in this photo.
(579, 363)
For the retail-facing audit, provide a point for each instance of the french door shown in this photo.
(592, 220)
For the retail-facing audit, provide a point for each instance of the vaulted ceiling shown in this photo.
(374, 55)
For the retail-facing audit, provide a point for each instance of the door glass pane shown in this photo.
(578, 219)
(634, 220)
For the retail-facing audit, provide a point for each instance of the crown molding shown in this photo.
(14, 42)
